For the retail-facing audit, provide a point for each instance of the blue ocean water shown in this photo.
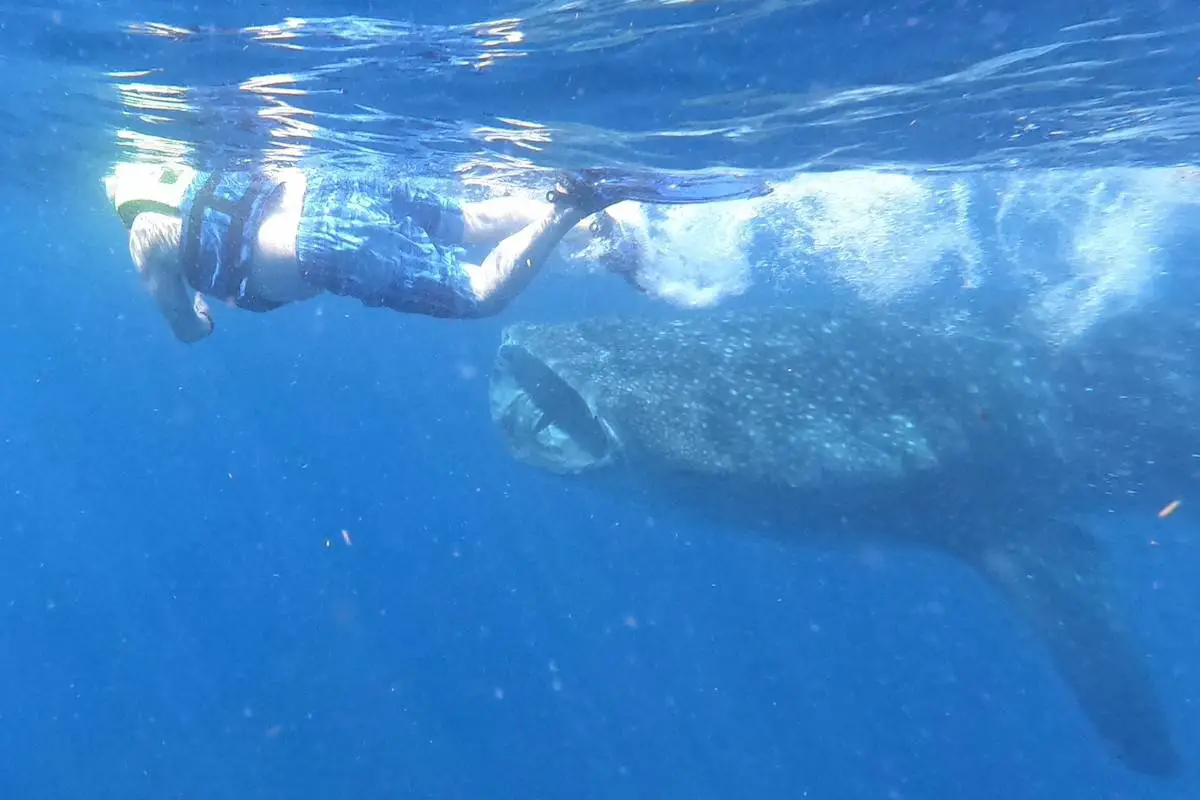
(297, 560)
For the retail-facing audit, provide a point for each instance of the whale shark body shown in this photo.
(844, 428)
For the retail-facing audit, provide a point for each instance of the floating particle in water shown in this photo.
(1168, 509)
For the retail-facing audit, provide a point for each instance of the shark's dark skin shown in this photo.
(841, 428)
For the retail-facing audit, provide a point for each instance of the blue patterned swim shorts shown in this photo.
(386, 243)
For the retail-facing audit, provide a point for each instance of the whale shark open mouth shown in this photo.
(546, 421)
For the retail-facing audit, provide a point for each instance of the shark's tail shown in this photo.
(1054, 575)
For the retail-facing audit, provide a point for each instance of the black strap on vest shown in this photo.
(238, 212)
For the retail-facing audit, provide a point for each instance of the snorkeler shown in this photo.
(259, 241)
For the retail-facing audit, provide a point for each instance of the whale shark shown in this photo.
(841, 428)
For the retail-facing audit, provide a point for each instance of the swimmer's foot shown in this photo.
(582, 191)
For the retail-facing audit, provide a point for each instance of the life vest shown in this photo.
(221, 213)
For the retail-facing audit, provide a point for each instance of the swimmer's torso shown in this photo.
(276, 273)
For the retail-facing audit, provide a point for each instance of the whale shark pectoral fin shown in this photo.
(1054, 576)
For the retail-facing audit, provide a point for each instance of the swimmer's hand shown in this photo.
(200, 324)
(154, 247)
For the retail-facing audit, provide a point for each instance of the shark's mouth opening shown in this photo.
(546, 421)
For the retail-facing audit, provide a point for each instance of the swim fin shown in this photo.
(596, 189)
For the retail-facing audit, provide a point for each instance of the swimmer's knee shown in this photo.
(441, 218)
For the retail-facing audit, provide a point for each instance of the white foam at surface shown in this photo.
(1082, 245)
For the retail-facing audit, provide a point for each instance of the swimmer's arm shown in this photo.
(154, 247)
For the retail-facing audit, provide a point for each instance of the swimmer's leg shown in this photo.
(516, 261)
(399, 267)
(397, 246)
(449, 223)
(489, 222)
